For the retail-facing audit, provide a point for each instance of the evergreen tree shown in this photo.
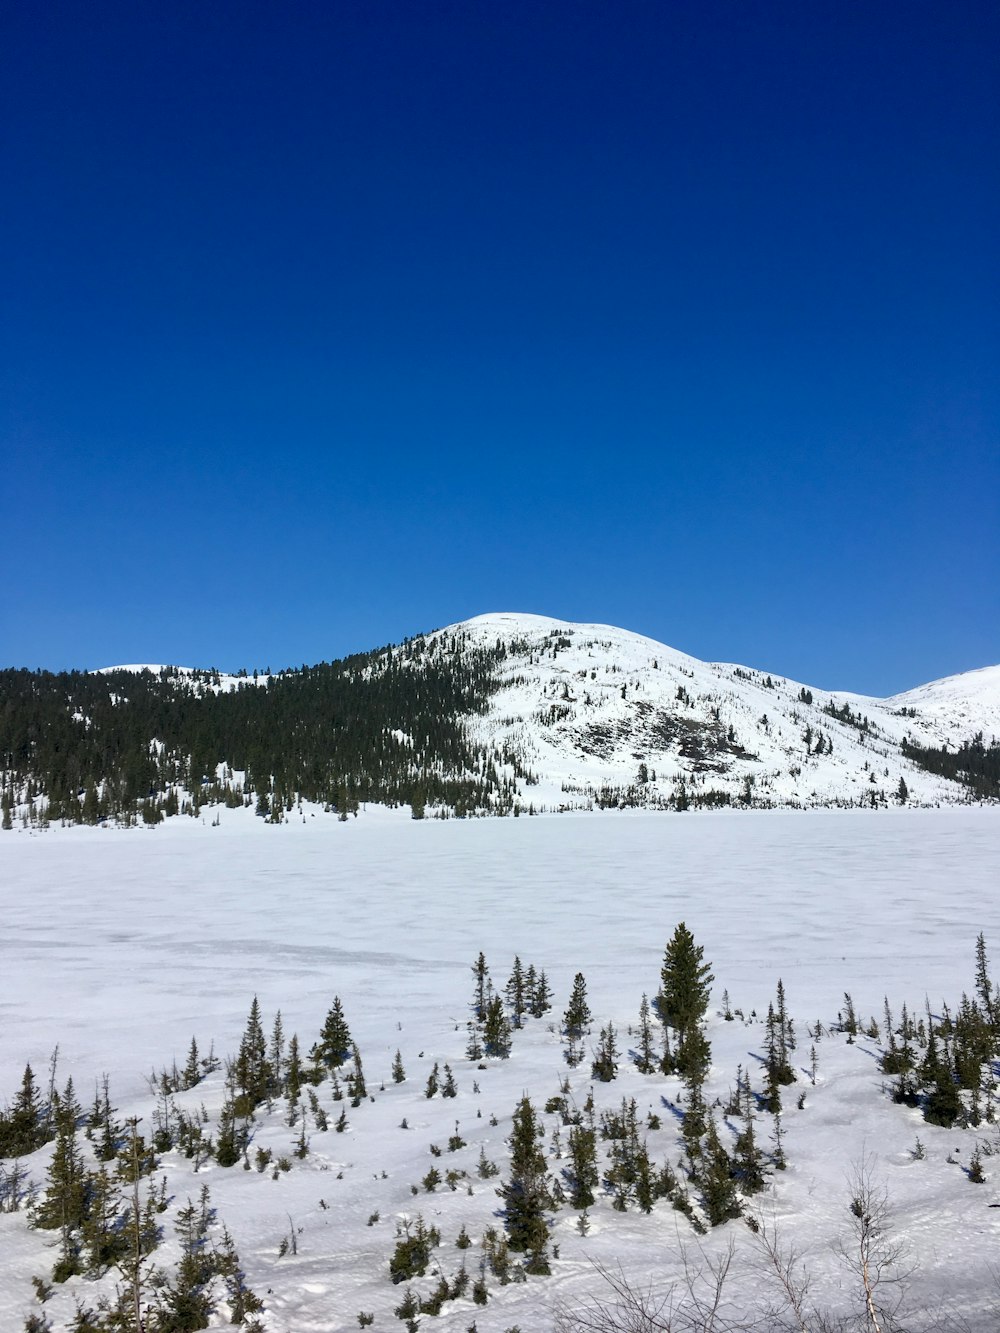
(644, 1060)
(516, 992)
(103, 1232)
(293, 1076)
(192, 1069)
(697, 1057)
(496, 1029)
(685, 988)
(24, 1128)
(483, 988)
(779, 1070)
(357, 1087)
(605, 1064)
(715, 1177)
(984, 987)
(942, 1103)
(748, 1164)
(540, 996)
(335, 1043)
(577, 1014)
(526, 1193)
(582, 1171)
(65, 1202)
(276, 1055)
(251, 1072)
(242, 1301)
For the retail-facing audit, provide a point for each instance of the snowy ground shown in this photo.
(119, 945)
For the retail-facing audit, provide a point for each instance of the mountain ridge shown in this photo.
(505, 713)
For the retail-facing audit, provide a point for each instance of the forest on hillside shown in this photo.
(385, 726)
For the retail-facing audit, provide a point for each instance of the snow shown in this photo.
(583, 705)
(118, 945)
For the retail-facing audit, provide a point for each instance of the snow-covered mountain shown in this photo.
(600, 715)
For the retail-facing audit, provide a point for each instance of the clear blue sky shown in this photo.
(326, 323)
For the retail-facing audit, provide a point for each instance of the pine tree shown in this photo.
(103, 1235)
(644, 1060)
(526, 1193)
(64, 1205)
(398, 1072)
(356, 1079)
(984, 988)
(749, 1160)
(540, 996)
(276, 1055)
(293, 1076)
(577, 1014)
(242, 1301)
(697, 1058)
(496, 1029)
(23, 1128)
(251, 1072)
(583, 1165)
(715, 1177)
(335, 1043)
(192, 1070)
(942, 1104)
(605, 1064)
(481, 973)
(685, 988)
(516, 992)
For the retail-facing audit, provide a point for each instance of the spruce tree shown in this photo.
(65, 1203)
(526, 1193)
(748, 1161)
(335, 1043)
(644, 1060)
(715, 1177)
(540, 996)
(605, 1064)
(483, 988)
(942, 1103)
(516, 992)
(251, 1071)
(496, 1029)
(685, 987)
(583, 1165)
(23, 1128)
(577, 1014)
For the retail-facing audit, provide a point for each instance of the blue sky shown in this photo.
(324, 324)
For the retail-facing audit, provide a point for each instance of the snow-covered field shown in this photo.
(119, 945)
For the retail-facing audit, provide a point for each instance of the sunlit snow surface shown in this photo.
(119, 945)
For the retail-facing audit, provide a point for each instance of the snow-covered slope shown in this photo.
(602, 715)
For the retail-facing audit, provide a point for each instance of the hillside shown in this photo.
(502, 714)
(601, 715)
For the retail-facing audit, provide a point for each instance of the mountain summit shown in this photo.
(601, 715)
